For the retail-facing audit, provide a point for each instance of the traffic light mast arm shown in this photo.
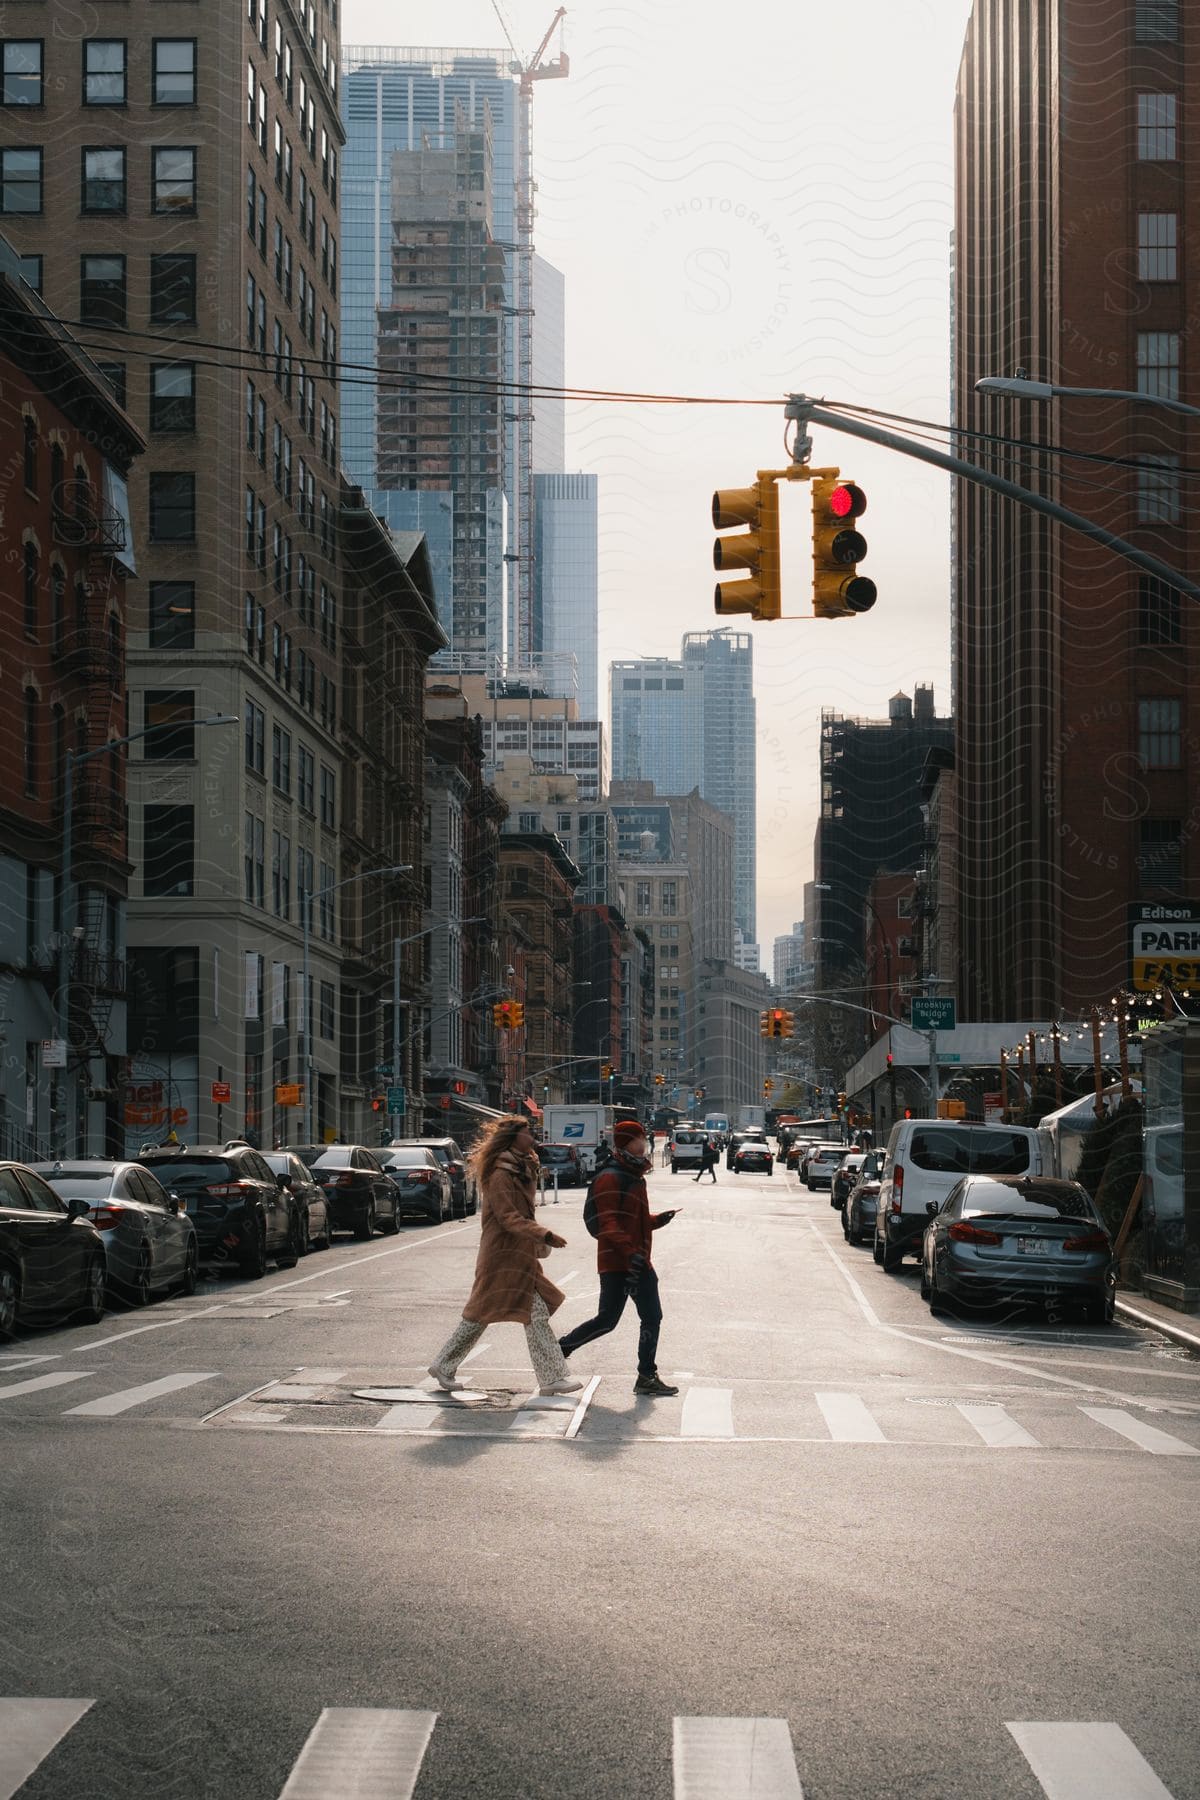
(809, 412)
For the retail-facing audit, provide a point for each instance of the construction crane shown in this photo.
(534, 69)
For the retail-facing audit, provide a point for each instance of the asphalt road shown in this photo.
(862, 1553)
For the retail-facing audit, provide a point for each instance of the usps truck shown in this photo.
(587, 1127)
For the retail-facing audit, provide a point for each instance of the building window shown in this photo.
(30, 454)
(103, 189)
(1156, 21)
(104, 72)
(328, 797)
(31, 590)
(170, 718)
(1158, 364)
(168, 851)
(328, 1009)
(1158, 491)
(256, 725)
(1158, 246)
(1156, 128)
(281, 875)
(670, 899)
(1160, 728)
(173, 396)
(253, 859)
(102, 290)
(173, 290)
(1158, 612)
(281, 759)
(20, 181)
(114, 374)
(31, 272)
(306, 781)
(31, 741)
(22, 72)
(172, 615)
(174, 179)
(1160, 854)
(642, 904)
(174, 71)
(172, 508)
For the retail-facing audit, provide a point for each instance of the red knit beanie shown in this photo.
(628, 1132)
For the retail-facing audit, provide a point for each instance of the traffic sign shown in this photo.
(396, 1099)
(934, 1014)
(383, 1069)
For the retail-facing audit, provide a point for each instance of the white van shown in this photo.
(925, 1159)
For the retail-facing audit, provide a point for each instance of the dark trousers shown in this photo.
(708, 1169)
(612, 1304)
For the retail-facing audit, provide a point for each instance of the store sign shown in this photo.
(287, 1093)
(221, 1092)
(1165, 947)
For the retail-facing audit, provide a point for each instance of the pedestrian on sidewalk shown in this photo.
(509, 1284)
(708, 1160)
(623, 1224)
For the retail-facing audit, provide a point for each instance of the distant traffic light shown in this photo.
(502, 1015)
(756, 550)
(516, 1014)
(659, 1080)
(765, 1028)
(839, 592)
(606, 1070)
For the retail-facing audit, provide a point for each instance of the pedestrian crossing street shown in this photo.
(365, 1400)
(377, 1753)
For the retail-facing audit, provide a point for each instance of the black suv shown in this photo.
(463, 1197)
(234, 1199)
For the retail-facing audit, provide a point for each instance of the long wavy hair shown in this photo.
(496, 1137)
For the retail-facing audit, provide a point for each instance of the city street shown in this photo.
(863, 1553)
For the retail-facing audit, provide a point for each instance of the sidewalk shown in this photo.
(1182, 1328)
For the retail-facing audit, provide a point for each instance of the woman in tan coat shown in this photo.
(509, 1284)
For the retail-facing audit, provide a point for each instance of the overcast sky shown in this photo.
(748, 200)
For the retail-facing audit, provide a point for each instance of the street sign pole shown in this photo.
(934, 1089)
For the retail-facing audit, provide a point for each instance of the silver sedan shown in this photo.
(149, 1240)
(1015, 1239)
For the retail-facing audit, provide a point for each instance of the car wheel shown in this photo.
(191, 1269)
(9, 1300)
(939, 1306)
(890, 1260)
(674, 1168)
(391, 1226)
(136, 1291)
(924, 1280)
(327, 1240)
(364, 1225)
(876, 1252)
(290, 1255)
(253, 1264)
(306, 1242)
(95, 1284)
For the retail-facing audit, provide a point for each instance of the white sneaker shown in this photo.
(448, 1383)
(565, 1386)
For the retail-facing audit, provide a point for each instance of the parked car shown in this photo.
(821, 1166)
(745, 1134)
(234, 1201)
(149, 1241)
(858, 1214)
(563, 1161)
(52, 1258)
(316, 1214)
(463, 1198)
(687, 1148)
(753, 1153)
(925, 1159)
(1017, 1239)
(358, 1190)
(795, 1151)
(422, 1183)
(308, 1153)
(844, 1177)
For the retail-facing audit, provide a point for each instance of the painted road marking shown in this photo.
(707, 1413)
(734, 1759)
(36, 1383)
(370, 1752)
(1146, 1437)
(1087, 1762)
(125, 1398)
(29, 1730)
(848, 1419)
(995, 1427)
(580, 1413)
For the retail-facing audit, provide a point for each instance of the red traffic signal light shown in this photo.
(847, 501)
(838, 591)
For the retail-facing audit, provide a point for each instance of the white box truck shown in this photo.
(587, 1127)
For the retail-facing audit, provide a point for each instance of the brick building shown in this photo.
(538, 884)
(1077, 253)
(69, 552)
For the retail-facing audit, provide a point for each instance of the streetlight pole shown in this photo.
(575, 1018)
(67, 904)
(1020, 387)
(320, 894)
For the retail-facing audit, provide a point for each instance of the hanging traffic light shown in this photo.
(659, 1080)
(516, 1013)
(839, 592)
(606, 1070)
(764, 1025)
(502, 1015)
(756, 550)
(789, 1024)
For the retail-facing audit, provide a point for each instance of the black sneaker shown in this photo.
(653, 1384)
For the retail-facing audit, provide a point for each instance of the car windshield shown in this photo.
(191, 1171)
(80, 1184)
(278, 1161)
(308, 1153)
(403, 1159)
(555, 1152)
(972, 1150)
(1051, 1200)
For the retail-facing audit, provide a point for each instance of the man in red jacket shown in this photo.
(623, 1255)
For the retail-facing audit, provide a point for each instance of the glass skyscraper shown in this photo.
(565, 595)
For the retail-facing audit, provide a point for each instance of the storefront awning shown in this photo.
(532, 1108)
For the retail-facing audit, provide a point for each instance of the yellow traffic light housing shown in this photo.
(789, 1024)
(839, 592)
(756, 550)
(764, 1025)
(516, 1014)
(606, 1070)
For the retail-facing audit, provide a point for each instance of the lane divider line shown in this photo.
(29, 1730)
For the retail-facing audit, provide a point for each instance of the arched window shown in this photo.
(31, 590)
(58, 606)
(82, 503)
(58, 474)
(58, 737)
(31, 741)
(31, 441)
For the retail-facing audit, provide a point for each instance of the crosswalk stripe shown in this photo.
(848, 1419)
(368, 1752)
(29, 1730)
(996, 1428)
(734, 1759)
(707, 1413)
(125, 1398)
(36, 1383)
(1087, 1762)
(1146, 1437)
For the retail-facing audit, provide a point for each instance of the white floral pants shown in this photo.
(549, 1364)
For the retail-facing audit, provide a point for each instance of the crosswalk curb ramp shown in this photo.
(377, 1753)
